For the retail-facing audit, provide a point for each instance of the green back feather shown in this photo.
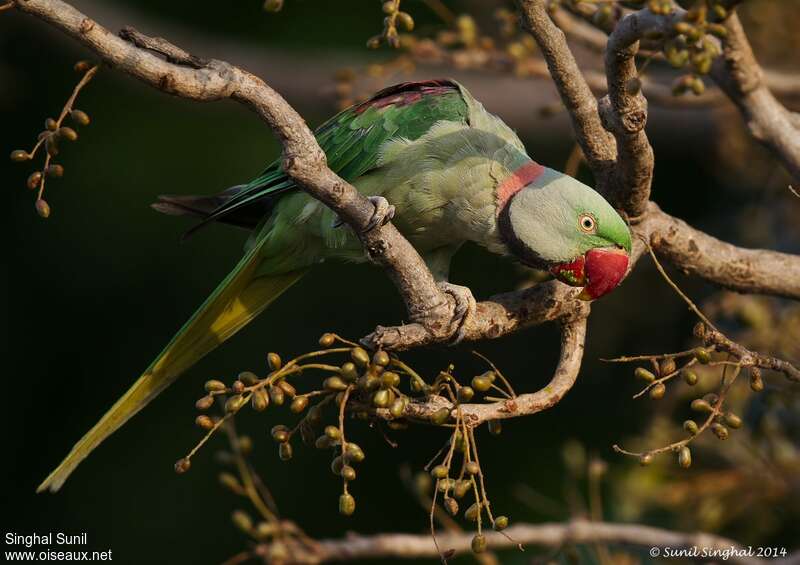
(352, 139)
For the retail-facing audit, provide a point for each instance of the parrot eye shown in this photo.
(587, 223)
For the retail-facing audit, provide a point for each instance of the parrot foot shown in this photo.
(383, 214)
(464, 310)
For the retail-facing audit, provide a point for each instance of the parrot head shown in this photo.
(551, 221)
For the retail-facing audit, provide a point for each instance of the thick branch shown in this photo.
(500, 315)
(696, 253)
(624, 110)
(573, 337)
(303, 159)
(407, 546)
(738, 74)
(597, 145)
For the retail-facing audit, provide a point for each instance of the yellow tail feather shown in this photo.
(236, 301)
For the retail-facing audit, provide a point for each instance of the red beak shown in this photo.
(605, 268)
(599, 271)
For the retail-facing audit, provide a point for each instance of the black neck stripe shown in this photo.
(517, 247)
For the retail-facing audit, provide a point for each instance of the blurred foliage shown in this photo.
(754, 476)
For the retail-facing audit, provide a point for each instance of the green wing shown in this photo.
(352, 139)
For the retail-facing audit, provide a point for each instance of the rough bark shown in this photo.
(757, 271)
(573, 337)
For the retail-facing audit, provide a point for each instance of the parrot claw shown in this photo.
(464, 310)
(383, 214)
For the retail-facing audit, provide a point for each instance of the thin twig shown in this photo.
(676, 288)
(716, 410)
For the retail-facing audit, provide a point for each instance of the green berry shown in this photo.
(657, 391)
(720, 431)
(685, 457)
(501, 523)
(440, 416)
(381, 358)
(644, 374)
(274, 361)
(440, 472)
(702, 355)
(299, 403)
(465, 394)
(479, 543)
(348, 473)
(214, 386)
(334, 384)
(359, 356)
(347, 505)
(733, 420)
(701, 405)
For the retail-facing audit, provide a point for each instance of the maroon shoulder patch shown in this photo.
(407, 93)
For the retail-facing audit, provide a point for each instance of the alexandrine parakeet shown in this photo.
(428, 154)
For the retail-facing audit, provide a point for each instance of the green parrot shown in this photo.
(452, 172)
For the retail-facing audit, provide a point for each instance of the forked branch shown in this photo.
(573, 337)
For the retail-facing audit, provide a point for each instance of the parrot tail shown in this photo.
(237, 300)
(247, 217)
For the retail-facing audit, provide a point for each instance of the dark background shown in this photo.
(94, 292)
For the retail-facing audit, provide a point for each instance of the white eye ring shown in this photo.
(587, 223)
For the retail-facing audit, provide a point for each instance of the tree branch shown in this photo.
(739, 75)
(597, 144)
(552, 535)
(748, 358)
(497, 316)
(573, 337)
(624, 110)
(696, 253)
(303, 160)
